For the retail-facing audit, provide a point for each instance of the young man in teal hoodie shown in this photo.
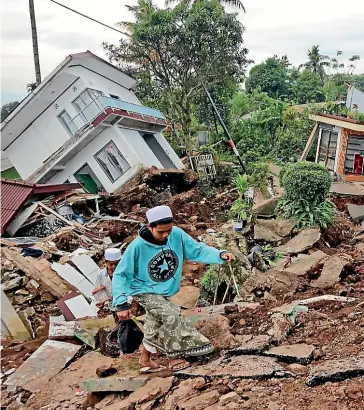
(150, 273)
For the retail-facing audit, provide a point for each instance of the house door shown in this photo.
(158, 151)
(358, 164)
(89, 181)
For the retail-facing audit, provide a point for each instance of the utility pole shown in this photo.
(35, 42)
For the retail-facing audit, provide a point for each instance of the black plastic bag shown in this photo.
(129, 336)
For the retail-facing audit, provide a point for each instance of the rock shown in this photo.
(29, 311)
(303, 241)
(185, 390)
(281, 326)
(19, 300)
(280, 227)
(153, 390)
(356, 212)
(22, 292)
(217, 330)
(210, 230)
(262, 233)
(145, 406)
(13, 283)
(228, 398)
(298, 369)
(106, 371)
(32, 285)
(267, 207)
(298, 353)
(330, 274)
(47, 296)
(186, 297)
(202, 401)
(300, 265)
(250, 344)
(335, 370)
(245, 367)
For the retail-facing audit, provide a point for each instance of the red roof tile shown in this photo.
(14, 195)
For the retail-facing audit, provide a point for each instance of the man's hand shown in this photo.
(227, 256)
(124, 314)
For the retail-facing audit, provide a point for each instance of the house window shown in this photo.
(112, 162)
(65, 120)
(88, 104)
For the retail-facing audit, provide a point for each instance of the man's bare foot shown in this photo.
(177, 365)
(146, 359)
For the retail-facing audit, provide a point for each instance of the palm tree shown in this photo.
(233, 3)
(142, 8)
(316, 62)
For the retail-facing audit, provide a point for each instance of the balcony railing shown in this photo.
(100, 103)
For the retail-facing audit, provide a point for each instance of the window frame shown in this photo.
(63, 122)
(101, 166)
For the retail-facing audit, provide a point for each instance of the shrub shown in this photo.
(209, 280)
(258, 177)
(306, 181)
(307, 214)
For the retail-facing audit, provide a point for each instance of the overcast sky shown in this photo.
(272, 27)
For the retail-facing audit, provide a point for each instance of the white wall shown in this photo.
(355, 96)
(45, 136)
(86, 155)
(132, 146)
(97, 82)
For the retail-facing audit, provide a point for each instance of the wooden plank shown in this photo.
(309, 142)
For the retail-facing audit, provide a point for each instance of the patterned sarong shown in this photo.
(169, 332)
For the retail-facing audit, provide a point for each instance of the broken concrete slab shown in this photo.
(152, 390)
(186, 297)
(185, 390)
(111, 384)
(243, 367)
(335, 370)
(356, 212)
(60, 329)
(347, 188)
(250, 344)
(279, 227)
(262, 233)
(303, 241)
(202, 401)
(331, 272)
(48, 360)
(301, 264)
(295, 353)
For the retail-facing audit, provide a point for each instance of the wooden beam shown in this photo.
(310, 140)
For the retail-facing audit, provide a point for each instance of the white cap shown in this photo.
(112, 254)
(159, 212)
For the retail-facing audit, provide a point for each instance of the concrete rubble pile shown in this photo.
(286, 320)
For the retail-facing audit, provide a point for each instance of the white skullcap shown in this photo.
(159, 212)
(112, 254)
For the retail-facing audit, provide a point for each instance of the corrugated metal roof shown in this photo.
(14, 194)
(12, 198)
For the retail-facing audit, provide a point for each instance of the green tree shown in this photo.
(168, 46)
(316, 62)
(233, 3)
(270, 77)
(6, 109)
(308, 88)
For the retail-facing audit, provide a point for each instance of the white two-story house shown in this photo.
(84, 123)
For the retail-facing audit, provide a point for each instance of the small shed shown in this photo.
(340, 145)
